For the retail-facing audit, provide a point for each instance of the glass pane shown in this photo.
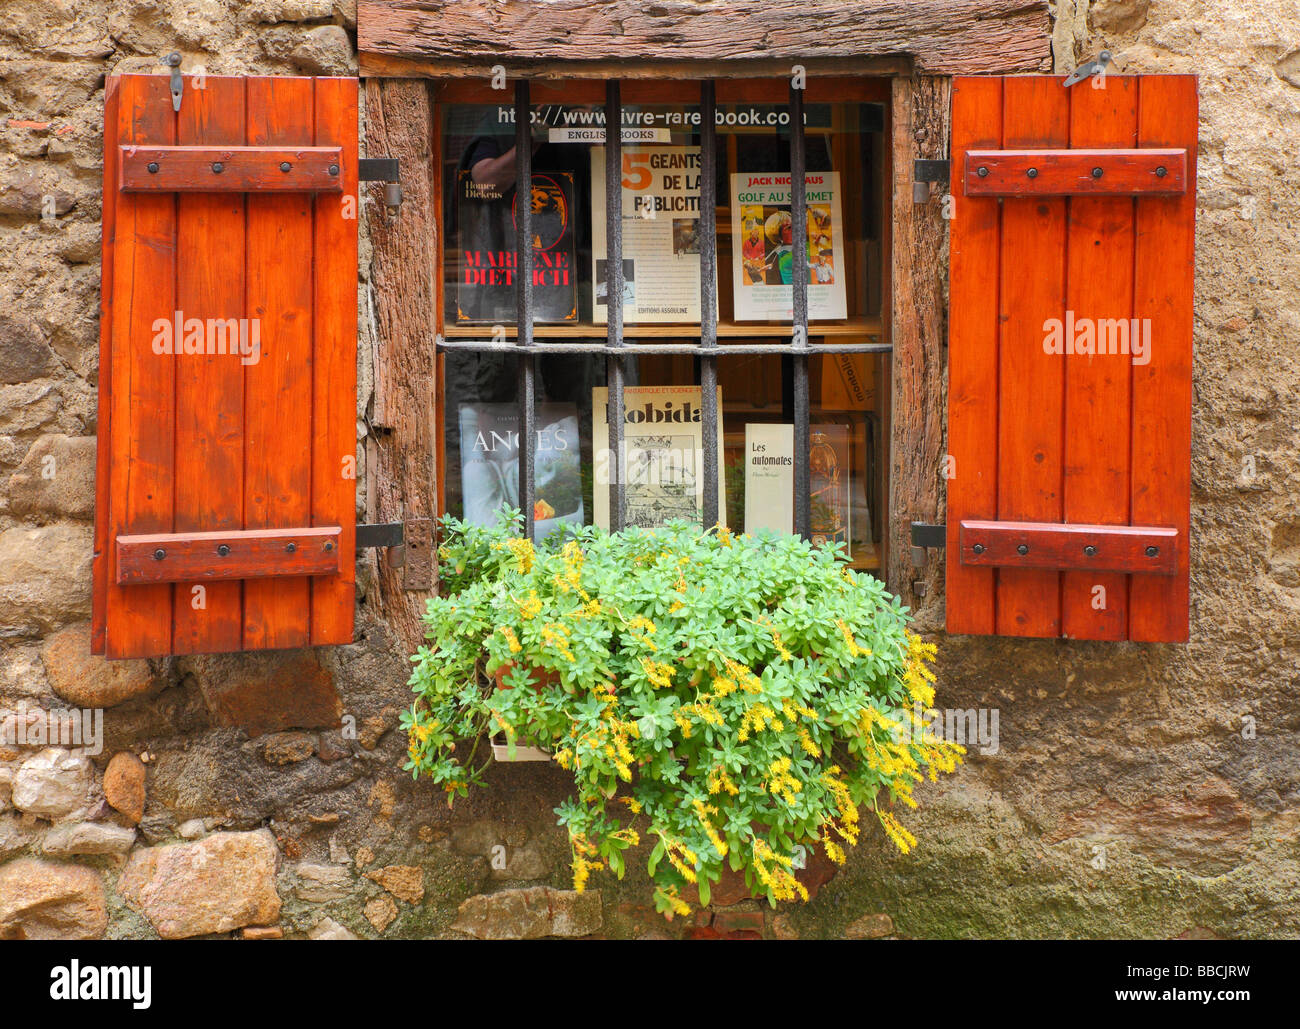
(847, 203)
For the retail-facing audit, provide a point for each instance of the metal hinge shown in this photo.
(409, 545)
(178, 80)
(385, 170)
(925, 171)
(377, 169)
(926, 537)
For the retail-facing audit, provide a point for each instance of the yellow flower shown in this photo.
(903, 839)
(917, 676)
(511, 639)
(529, 607)
(849, 641)
(659, 674)
(522, 550)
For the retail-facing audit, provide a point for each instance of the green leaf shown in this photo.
(656, 856)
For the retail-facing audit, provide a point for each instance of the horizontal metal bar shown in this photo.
(633, 349)
(230, 169)
(1015, 173)
(240, 554)
(380, 534)
(377, 169)
(1070, 546)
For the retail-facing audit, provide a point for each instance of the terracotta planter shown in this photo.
(541, 677)
(523, 752)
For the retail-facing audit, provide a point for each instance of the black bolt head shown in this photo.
(159, 554)
(223, 550)
(1032, 173)
(329, 545)
(218, 167)
(291, 547)
(1022, 549)
(982, 172)
(334, 169)
(978, 548)
(1161, 172)
(285, 166)
(153, 167)
(1090, 550)
(1152, 551)
(1096, 173)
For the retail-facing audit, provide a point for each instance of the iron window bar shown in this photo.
(614, 300)
(799, 312)
(708, 235)
(679, 349)
(524, 300)
(615, 349)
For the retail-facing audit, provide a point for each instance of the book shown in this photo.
(763, 240)
(769, 477)
(489, 464)
(830, 478)
(486, 275)
(663, 443)
(661, 254)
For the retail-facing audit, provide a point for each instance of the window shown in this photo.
(697, 292)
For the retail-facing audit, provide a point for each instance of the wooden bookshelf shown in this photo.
(871, 326)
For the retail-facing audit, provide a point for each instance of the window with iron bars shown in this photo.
(624, 345)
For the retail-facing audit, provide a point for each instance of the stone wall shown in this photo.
(1136, 790)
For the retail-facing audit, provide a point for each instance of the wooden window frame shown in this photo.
(404, 121)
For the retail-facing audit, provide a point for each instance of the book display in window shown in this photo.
(663, 442)
(829, 467)
(769, 477)
(487, 273)
(489, 464)
(763, 240)
(661, 254)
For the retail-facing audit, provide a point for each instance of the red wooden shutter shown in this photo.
(226, 482)
(1069, 486)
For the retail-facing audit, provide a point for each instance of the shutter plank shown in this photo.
(973, 355)
(143, 385)
(210, 387)
(103, 441)
(278, 387)
(1162, 389)
(1099, 286)
(334, 434)
(1031, 383)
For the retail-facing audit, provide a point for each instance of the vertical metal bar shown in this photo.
(799, 362)
(524, 299)
(708, 243)
(614, 298)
